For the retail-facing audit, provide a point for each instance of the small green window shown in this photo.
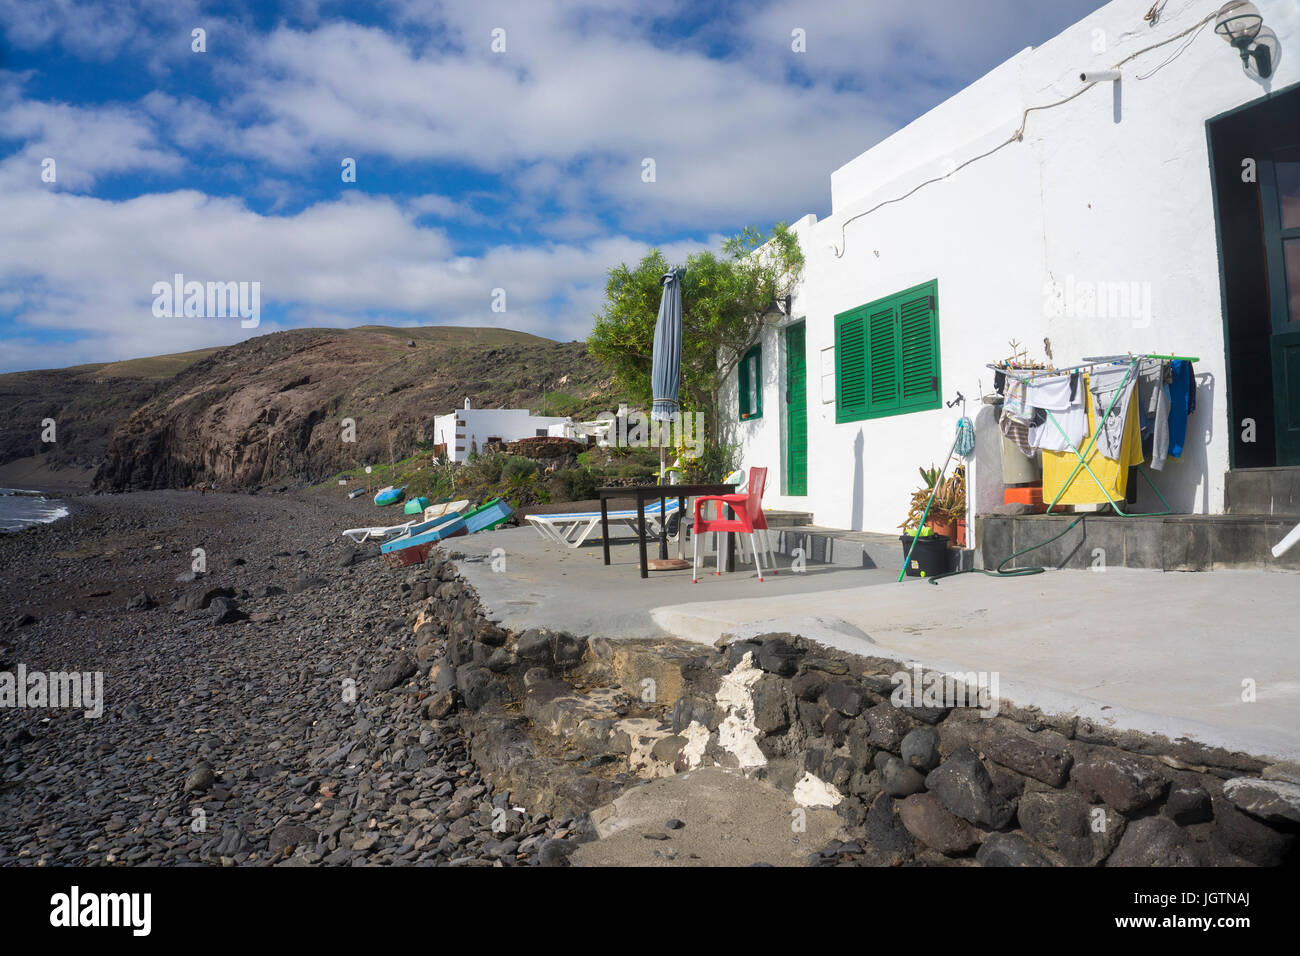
(750, 379)
(887, 356)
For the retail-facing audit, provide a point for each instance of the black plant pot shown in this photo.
(930, 557)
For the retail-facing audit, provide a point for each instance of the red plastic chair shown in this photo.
(747, 517)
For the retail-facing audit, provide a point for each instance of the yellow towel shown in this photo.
(1112, 474)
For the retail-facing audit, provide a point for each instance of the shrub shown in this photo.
(575, 484)
(516, 468)
(716, 462)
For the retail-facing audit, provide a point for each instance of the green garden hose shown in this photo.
(1018, 572)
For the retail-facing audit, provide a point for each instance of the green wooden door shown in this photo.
(796, 417)
(1279, 180)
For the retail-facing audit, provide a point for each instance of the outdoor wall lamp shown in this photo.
(776, 311)
(1239, 23)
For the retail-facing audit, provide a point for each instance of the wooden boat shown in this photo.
(413, 555)
(389, 496)
(440, 508)
(415, 505)
(448, 526)
(488, 516)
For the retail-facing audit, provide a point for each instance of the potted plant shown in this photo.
(928, 548)
(948, 513)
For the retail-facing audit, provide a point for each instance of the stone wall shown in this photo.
(566, 723)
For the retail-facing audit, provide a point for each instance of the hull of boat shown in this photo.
(488, 516)
(389, 496)
(450, 526)
(445, 508)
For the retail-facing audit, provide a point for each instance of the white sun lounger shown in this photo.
(572, 529)
(362, 535)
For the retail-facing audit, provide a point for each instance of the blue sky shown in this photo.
(477, 168)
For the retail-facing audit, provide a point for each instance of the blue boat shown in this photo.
(427, 532)
(488, 516)
(389, 496)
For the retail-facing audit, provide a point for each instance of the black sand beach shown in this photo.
(229, 735)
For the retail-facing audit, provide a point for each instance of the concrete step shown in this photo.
(1262, 491)
(786, 519)
(858, 549)
(1165, 543)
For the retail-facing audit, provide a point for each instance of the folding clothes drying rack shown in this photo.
(1134, 363)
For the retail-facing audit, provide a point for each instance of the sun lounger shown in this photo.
(362, 535)
(572, 529)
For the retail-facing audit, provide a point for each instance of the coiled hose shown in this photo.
(1018, 572)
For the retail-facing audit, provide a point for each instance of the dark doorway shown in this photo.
(1255, 160)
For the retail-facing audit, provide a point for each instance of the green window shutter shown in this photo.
(851, 366)
(883, 369)
(887, 356)
(919, 345)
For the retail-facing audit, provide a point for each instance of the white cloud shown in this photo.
(86, 143)
(337, 263)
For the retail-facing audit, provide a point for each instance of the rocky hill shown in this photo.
(86, 403)
(268, 411)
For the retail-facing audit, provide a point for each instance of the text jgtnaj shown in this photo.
(211, 300)
(82, 691)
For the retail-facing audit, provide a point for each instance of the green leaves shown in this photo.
(723, 301)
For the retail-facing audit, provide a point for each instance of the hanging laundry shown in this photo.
(1015, 404)
(1056, 394)
(1112, 391)
(1103, 476)
(1181, 397)
(1017, 416)
(1153, 407)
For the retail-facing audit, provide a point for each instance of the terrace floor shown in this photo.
(1159, 652)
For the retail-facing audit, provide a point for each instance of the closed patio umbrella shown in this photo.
(666, 367)
(666, 376)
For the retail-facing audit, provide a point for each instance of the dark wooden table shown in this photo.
(644, 493)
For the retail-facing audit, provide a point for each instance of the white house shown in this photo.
(471, 429)
(1156, 213)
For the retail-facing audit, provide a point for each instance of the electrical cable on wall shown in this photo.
(1018, 135)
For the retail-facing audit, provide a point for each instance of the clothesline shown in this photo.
(1029, 416)
(1088, 363)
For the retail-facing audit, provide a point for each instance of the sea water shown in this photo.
(18, 511)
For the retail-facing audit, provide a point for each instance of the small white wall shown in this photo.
(1087, 196)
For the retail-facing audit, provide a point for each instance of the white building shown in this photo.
(472, 429)
(1183, 178)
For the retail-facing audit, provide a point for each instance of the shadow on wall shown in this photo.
(1185, 481)
(855, 522)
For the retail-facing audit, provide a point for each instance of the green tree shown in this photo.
(724, 298)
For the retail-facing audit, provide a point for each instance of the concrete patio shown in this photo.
(1158, 652)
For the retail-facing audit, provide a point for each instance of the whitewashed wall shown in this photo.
(508, 424)
(1086, 196)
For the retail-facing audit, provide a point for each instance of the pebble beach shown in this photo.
(268, 711)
